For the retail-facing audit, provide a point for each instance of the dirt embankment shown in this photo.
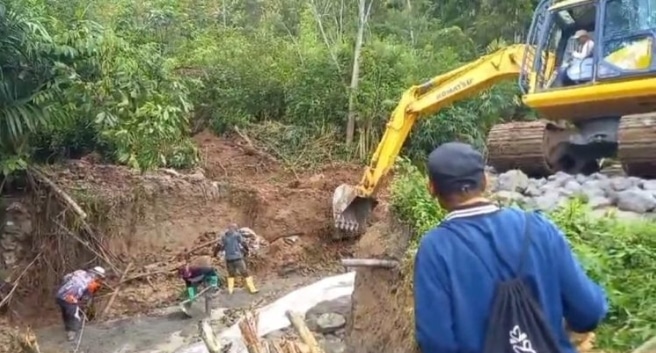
(150, 220)
(382, 319)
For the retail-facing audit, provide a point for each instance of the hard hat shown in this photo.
(99, 271)
(580, 33)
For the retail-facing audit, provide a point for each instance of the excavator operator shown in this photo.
(586, 45)
(585, 50)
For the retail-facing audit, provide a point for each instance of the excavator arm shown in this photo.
(352, 204)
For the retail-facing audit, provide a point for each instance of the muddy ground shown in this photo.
(151, 221)
(167, 329)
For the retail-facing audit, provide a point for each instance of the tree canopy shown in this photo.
(131, 80)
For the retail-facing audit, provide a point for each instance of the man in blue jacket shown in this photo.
(236, 248)
(458, 264)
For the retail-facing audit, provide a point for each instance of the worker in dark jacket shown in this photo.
(198, 271)
(460, 263)
(235, 248)
(77, 288)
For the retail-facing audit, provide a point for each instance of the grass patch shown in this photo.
(620, 255)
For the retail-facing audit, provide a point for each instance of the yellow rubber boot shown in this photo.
(231, 285)
(250, 285)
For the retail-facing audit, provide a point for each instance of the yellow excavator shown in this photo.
(591, 106)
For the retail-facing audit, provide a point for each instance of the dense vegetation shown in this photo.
(132, 79)
(621, 256)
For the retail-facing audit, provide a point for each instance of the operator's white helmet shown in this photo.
(98, 271)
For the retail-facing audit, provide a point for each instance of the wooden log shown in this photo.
(248, 328)
(304, 332)
(116, 290)
(41, 176)
(370, 263)
(208, 337)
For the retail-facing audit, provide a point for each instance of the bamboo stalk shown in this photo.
(118, 289)
(248, 328)
(304, 332)
(208, 337)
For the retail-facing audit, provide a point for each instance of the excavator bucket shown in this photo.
(350, 210)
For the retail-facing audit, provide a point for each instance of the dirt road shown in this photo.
(166, 330)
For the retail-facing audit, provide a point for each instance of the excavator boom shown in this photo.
(352, 204)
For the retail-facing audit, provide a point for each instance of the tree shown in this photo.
(363, 17)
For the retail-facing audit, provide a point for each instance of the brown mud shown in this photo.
(382, 298)
(152, 220)
(167, 330)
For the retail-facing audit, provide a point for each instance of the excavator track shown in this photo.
(519, 145)
(637, 145)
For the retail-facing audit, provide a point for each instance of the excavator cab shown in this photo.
(597, 106)
(622, 33)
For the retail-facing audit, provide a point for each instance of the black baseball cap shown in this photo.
(456, 167)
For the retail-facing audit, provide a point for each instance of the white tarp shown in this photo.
(272, 317)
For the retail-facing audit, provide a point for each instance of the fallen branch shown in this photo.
(369, 263)
(167, 270)
(248, 328)
(66, 198)
(208, 337)
(17, 280)
(57, 190)
(198, 247)
(27, 340)
(251, 147)
(86, 244)
(115, 293)
(303, 331)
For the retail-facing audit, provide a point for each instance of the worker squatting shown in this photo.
(78, 288)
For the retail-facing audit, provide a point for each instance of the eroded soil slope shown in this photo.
(381, 317)
(152, 220)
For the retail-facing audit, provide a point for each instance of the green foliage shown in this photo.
(127, 79)
(621, 256)
(72, 86)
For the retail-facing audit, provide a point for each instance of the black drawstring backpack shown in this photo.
(516, 323)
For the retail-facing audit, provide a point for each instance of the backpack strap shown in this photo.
(526, 245)
(523, 257)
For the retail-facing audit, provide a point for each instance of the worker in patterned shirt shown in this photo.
(77, 287)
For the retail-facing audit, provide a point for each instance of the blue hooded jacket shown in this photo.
(456, 272)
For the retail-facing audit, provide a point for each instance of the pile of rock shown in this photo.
(256, 244)
(327, 320)
(629, 195)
